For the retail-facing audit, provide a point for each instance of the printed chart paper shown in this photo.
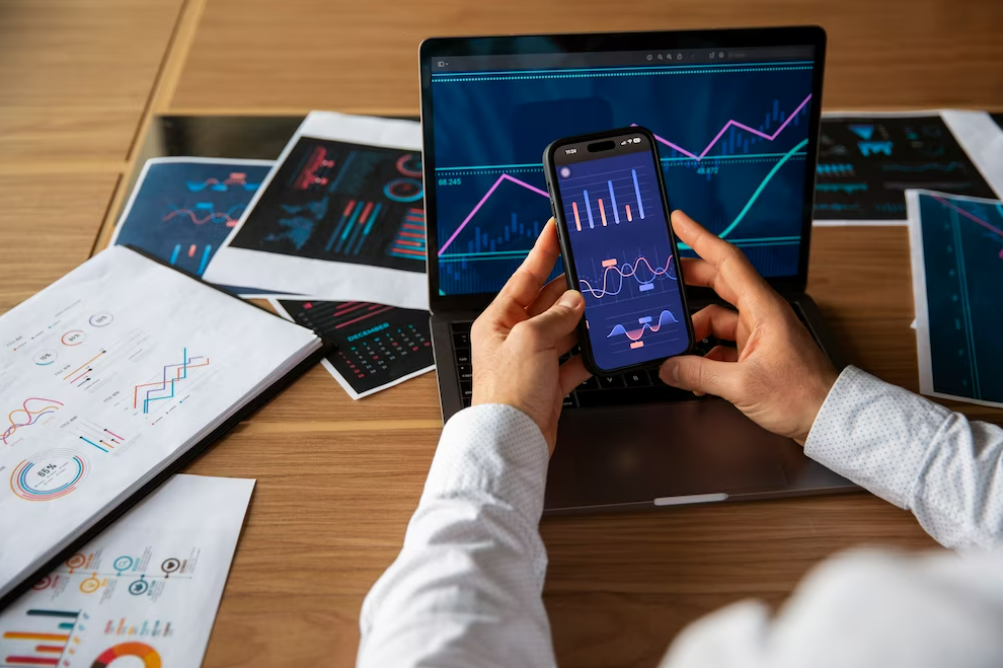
(340, 217)
(956, 246)
(866, 162)
(183, 209)
(143, 593)
(376, 346)
(108, 376)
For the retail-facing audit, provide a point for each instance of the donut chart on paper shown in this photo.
(139, 650)
(48, 475)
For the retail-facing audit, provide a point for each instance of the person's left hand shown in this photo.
(518, 340)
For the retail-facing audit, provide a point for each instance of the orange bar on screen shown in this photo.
(602, 212)
(578, 221)
(629, 218)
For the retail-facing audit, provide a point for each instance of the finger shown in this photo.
(550, 293)
(553, 325)
(699, 374)
(722, 354)
(572, 374)
(725, 269)
(715, 320)
(525, 284)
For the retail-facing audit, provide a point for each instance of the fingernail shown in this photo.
(670, 372)
(570, 299)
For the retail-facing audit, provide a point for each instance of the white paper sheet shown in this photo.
(325, 279)
(143, 593)
(976, 133)
(108, 376)
(953, 360)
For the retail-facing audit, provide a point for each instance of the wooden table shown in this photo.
(338, 480)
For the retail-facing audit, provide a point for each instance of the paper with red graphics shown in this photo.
(340, 216)
(148, 587)
(107, 378)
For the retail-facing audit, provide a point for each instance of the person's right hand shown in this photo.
(777, 376)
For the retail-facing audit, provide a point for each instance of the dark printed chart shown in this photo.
(866, 164)
(963, 265)
(342, 202)
(183, 210)
(376, 346)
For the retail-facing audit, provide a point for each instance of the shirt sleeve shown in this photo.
(866, 609)
(915, 454)
(466, 589)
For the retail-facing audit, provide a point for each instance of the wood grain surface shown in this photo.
(299, 55)
(337, 479)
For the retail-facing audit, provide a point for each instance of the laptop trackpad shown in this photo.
(636, 454)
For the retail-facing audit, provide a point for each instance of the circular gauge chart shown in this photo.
(139, 650)
(48, 475)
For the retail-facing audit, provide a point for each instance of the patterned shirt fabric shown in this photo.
(465, 590)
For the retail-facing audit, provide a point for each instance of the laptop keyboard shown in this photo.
(636, 387)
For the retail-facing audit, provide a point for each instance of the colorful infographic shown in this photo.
(183, 209)
(375, 346)
(865, 165)
(108, 375)
(342, 202)
(618, 233)
(147, 589)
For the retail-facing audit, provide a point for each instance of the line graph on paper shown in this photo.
(174, 381)
(182, 212)
(962, 241)
(734, 160)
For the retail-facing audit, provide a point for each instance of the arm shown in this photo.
(903, 448)
(917, 455)
(465, 590)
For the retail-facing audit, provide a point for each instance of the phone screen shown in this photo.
(617, 228)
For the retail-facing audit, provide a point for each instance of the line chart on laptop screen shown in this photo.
(732, 139)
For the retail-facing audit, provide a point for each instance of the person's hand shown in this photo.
(518, 340)
(777, 376)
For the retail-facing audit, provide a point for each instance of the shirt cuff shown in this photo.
(875, 434)
(491, 450)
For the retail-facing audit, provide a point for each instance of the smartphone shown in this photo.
(608, 196)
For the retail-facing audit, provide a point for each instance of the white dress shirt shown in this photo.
(465, 591)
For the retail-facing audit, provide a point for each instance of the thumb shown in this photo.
(699, 374)
(560, 319)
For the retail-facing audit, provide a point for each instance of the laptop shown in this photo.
(736, 116)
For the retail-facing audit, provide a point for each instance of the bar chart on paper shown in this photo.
(734, 160)
(963, 264)
(342, 202)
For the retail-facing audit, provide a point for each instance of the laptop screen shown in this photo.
(733, 134)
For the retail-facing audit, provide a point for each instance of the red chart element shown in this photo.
(142, 651)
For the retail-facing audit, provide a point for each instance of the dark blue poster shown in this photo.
(962, 268)
(183, 209)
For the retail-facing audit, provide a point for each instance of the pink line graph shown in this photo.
(477, 208)
(971, 217)
(703, 153)
(736, 124)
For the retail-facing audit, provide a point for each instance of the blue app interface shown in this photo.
(617, 230)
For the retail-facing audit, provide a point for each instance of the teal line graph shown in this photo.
(755, 195)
